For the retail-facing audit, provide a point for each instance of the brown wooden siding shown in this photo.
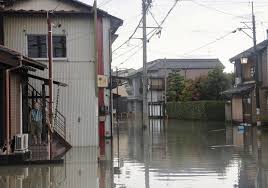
(15, 104)
(237, 109)
(264, 71)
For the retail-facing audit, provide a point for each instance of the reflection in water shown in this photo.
(167, 154)
(80, 170)
(190, 154)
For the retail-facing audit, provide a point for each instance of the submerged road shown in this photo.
(168, 154)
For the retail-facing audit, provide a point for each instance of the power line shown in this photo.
(122, 54)
(174, 5)
(135, 30)
(105, 3)
(153, 32)
(217, 10)
(208, 44)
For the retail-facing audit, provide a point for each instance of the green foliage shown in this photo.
(197, 110)
(203, 88)
(175, 86)
(216, 83)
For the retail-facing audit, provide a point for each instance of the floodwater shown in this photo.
(166, 155)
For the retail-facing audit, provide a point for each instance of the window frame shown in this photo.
(46, 58)
(160, 86)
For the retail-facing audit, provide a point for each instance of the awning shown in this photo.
(121, 91)
(12, 58)
(45, 80)
(239, 90)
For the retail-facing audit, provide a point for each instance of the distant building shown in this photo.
(158, 72)
(243, 94)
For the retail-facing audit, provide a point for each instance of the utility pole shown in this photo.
(258, 110)
(145, 4)
(50, 78)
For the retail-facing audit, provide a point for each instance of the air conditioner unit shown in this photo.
(21, 143)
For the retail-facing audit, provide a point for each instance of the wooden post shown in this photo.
(44, 115)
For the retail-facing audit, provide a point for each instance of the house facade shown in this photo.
(243, 94)
(158, 72)
(24, 26)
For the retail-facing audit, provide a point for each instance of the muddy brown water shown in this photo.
(168, 154)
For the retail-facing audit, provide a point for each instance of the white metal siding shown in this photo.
(77, 101)
(106, 61)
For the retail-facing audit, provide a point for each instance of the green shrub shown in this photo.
(197, 110)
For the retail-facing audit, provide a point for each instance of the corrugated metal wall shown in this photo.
(77, 102)
(106, 61)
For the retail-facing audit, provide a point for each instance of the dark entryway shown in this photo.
(2, 106)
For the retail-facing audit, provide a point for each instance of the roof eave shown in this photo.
(249, 52)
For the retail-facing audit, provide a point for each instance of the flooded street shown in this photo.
(190, 154)
(167, 155)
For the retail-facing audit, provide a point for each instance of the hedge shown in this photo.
(197, 110)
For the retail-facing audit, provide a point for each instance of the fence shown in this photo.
(196, 110)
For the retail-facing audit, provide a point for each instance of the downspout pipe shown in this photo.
(7, 107)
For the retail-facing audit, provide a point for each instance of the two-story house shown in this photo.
(158, 71)
(243, 94)
(23, 27)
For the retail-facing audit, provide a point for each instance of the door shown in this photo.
(2, 106)
(247, 106)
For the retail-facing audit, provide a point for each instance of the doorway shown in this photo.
(2, 106)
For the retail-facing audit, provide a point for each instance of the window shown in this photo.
(157, 84)
(59, 46)
(37, 46)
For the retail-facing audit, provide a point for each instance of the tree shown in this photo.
(203, 88)
(216, 82)
(175, 86)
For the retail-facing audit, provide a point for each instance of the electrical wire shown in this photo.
(104, 3)
(208, 44)
(153, 32)
(130, 50)
(135, 30)
(217, 10)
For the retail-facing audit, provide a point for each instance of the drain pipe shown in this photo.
(7, 107)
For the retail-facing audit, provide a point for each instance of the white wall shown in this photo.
(78, 100)
(107, 62)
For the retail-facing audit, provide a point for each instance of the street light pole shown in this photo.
(258, 110)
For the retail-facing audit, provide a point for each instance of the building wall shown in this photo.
(237, 108)
(107, 64)
(15, 104)
(264, 68)
(263, 102)
(155, 96)
(188, 73)
(78, 101)
(45, 5)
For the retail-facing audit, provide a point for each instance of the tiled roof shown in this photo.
(184, 64)
(250, 51)
(181, 64)
(239, 90)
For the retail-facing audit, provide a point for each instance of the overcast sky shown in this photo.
(191, 26)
